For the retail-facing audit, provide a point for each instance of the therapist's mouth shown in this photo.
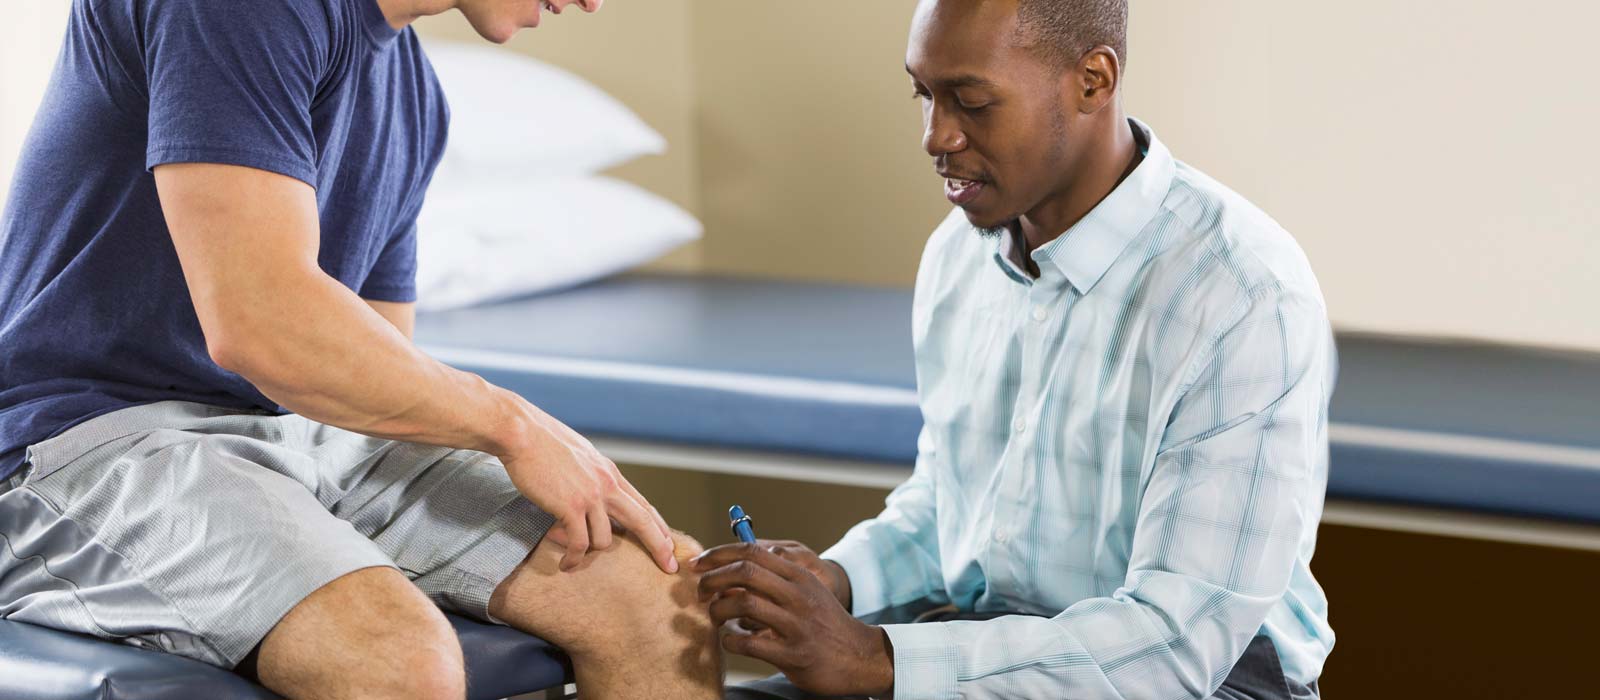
(961, 191)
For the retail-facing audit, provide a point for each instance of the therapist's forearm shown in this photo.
(320, 351)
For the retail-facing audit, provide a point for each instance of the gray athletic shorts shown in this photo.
(193, 529)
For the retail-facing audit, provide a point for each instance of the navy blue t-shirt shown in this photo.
(94, 312)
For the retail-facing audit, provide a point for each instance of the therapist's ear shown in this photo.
(1094, 81)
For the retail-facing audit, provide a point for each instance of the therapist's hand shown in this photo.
(561, 471)
(828, 572)
(776, 610)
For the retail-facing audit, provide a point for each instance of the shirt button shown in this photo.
(1000, 536)
(1019, 425)
(1039, 313)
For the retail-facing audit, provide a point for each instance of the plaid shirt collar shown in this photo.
(1082, 255)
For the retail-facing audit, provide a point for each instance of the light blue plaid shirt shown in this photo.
(1134, 445)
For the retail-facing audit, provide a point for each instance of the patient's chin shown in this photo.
(493, 30)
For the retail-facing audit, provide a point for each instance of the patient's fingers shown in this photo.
(599, 529)
(576, 527)
(654, 514)
(640, 522)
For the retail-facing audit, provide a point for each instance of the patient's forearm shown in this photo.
(248, 241)
(320, 351)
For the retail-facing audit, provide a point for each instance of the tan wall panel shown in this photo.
(637, 50)
(810, 155)
(1434, 158)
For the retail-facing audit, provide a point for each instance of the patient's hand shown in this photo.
(775, 609)
(561, 471)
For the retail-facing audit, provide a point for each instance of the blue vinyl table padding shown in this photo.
(1527, 422)
(827, 369)
(502, 662)
(43, 664)
(808, 368)
(1542, 397)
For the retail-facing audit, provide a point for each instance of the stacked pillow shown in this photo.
(515, 206)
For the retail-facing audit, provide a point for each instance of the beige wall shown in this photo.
(639, 51)
(810, 155)
(1436, 159)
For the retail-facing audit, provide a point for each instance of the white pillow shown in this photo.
(515, 116)
(511, 239)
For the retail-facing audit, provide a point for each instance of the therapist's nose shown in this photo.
(942, 135)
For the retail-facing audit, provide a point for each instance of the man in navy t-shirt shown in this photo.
(216, 438)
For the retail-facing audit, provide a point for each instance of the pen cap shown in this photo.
(739, 523)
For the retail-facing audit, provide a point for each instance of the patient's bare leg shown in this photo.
(632, 631)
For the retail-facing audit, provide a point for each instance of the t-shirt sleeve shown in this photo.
(394, 277)
(233, 82)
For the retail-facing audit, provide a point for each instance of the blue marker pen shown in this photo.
(740, 524)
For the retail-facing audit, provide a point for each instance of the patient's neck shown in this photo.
(403, 12)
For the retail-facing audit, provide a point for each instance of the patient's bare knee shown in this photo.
(632, 630)
(366, 634)
(685, 547)
(428, 673)
(617, 601)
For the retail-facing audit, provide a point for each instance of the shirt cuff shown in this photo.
(925, 660)
(160, 153)
(867, 592)
(398, 293)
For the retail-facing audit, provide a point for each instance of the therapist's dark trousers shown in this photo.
(1257, 676)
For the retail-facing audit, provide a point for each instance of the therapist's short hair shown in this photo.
(1063, 30)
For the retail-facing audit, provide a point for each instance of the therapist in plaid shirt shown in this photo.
(1124, 370)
